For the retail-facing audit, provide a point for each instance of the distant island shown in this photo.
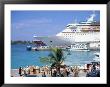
(21, 42)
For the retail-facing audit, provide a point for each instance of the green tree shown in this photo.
(55, 58)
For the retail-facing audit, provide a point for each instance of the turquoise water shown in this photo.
(21, 57)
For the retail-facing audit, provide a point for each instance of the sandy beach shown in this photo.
(15, 73)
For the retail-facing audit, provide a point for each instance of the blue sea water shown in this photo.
(21, 57)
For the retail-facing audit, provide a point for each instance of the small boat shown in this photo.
(79, 47)
(29, 48)
(97, 57)
(43, 48)
(68, 53)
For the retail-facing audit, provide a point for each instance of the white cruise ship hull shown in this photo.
(55, 41)
(67, 41)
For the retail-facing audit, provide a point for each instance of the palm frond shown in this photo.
(56, 57)
(45, 59)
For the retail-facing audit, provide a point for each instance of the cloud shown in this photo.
(31, 23)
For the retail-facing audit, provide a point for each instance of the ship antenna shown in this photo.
(93, 14)
(75, 21)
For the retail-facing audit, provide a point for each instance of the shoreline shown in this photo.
(40, 70)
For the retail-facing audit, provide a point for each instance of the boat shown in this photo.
(95, 60)
(69, 53)
(29, 48)
(97, 57)
(79, 47)
(84, 33)
(40, 48)
(43, 48)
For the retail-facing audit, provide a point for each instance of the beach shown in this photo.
(47, 71)
(15, 73)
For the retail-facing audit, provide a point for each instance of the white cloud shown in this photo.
(31, 23)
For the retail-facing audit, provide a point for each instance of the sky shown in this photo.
(25, 24)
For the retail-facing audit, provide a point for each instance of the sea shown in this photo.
(21, 57)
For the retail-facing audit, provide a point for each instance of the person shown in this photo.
(43, 75)
(62, 75)
(98, 73)
(54, 73)
(20, 71)
(24, 71)
(93, 73)
(97, 67)
(58, 75)
(71, 69)
(68, 72)
(27, 70)
(62, 72)
(34, 70)
(76, 71)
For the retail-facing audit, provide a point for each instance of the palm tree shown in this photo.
(55, 58)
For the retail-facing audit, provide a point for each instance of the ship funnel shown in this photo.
(91, 19)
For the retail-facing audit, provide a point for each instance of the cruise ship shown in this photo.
(82, 35)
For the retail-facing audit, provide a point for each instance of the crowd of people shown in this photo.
(94, 71)
(67, 71)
